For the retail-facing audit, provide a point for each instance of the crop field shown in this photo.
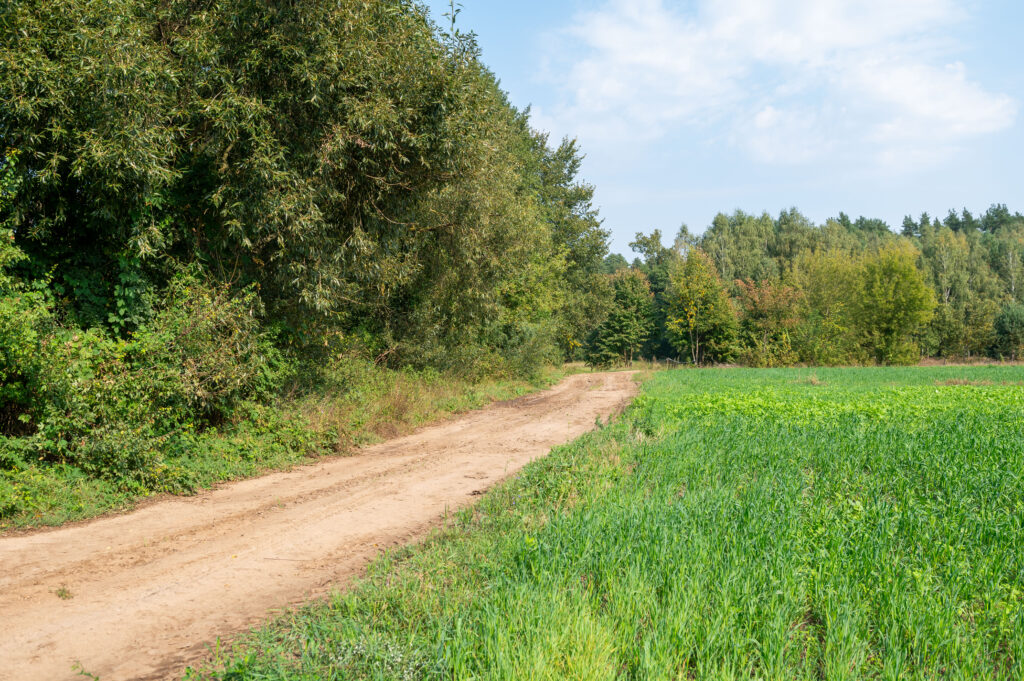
(733, 524)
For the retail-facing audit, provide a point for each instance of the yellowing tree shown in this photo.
(891, 303)
(700, 319)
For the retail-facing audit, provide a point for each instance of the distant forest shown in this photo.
(208, 207)
(767, 291)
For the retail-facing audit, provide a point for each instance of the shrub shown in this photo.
(24, 319)
(119, 408)
(209, 349)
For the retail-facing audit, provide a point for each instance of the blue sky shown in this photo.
(687, 108)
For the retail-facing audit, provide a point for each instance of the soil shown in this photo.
(143, 595)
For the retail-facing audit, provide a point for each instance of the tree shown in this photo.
(351, 162)
(770, 313)
(1009, 332)
(740, 246)
(656, 263)
(891, 303)
(613, 262)
(279, 144)
(909, 228)
(628, 324)
(827, 282)
(701, 321)
(996, 217)
(568, 208)
(1006, 252)
(966, 290)
(794, 233)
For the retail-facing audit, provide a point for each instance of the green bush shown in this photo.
(119, 408)
(24, 320)
(210, 350)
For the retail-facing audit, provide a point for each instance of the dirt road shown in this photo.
(150, 590)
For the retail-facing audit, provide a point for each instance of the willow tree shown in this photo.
(279, 144)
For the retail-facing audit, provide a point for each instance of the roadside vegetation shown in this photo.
(784, 524)
(362, 405)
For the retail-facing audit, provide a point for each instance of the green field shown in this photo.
(733, 524)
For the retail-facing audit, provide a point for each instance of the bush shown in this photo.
(210, 349)
(24, 319)
(119, 408)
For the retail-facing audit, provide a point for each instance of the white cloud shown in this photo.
(787, 80)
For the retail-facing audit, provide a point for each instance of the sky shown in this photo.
(685, 109)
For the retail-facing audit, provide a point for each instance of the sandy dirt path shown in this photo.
(152, 589)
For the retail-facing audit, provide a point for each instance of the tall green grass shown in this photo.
(734, 524)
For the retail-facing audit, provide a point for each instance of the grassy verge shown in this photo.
(366, 405)
(790, 524)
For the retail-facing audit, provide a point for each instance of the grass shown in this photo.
(733, 524)
(364, 404)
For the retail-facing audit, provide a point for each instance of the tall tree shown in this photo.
(628, 323)
(892, 302)
(1006, 253)
(656, 263)
(770, 312)
(740, 246)
(1009, 332)
(567, 205)
(614, 262)
(701, 320)
(826, 334)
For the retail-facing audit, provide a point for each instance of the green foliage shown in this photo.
(770, 314)
(701, 320)
(24, 319)
(1009, 332)
(199, 203)
(891, 302)
(348, 402)
(586, 308)
(272, 141)
(628, 323)
(119, 408)
(613, 263)
(358, 166)
(972, 266)
(827, 333)
(840, 524)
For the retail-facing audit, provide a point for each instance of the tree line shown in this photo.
(777, 291)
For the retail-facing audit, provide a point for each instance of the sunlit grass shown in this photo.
(735, 524)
